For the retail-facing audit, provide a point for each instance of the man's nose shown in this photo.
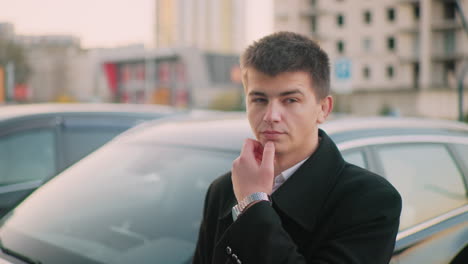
(273, 113)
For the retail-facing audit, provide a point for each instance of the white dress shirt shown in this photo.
(283, 176)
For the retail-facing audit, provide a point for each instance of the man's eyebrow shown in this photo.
(291, 92)
(256, 93)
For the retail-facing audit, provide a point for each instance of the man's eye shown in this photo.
(259, 100)
(291, 100)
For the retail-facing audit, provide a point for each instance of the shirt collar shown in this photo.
(288, 172)
(282, 177)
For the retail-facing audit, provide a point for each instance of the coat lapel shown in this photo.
(302, 196)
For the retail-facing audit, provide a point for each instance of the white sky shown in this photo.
(99, 23)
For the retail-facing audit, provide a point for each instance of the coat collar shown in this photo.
(302, 196)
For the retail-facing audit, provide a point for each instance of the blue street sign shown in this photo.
(343, 69)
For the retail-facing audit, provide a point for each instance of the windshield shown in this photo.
(124, 204)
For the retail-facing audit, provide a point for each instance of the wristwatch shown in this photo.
(240, 207)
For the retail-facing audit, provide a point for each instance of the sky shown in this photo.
(98, 23)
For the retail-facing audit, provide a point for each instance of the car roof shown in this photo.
(8, 112)
(212, 131)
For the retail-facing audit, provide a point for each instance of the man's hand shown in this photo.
(253, 170)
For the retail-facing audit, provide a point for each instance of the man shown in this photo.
(290, 197)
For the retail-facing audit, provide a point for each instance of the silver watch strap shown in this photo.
(240, 207)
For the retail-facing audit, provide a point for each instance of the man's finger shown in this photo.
(258, 151)
(268, 156)
(248, 148)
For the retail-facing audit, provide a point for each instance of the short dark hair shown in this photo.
(289, 52)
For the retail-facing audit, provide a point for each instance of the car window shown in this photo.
(79, 142)
(463, 151)
(27, 156)
(355, 157)
(427, 178)
(128, 204)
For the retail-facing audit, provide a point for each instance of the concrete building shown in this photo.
(206, 24)
(7, 30)
(52, 59)
(224, 26)
(400, 54)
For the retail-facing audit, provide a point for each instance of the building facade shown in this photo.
(223, 26)
(390, 54)
(7, 30)
(207, 24)
(53, 60)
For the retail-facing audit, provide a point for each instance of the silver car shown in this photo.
(37, 141)
(139, 198)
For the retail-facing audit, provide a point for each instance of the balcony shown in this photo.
(409, 28)
(438, 25)
(437, 56)
(441, 56)
(318, 36)
(441, 25)
(408, 1)
(408, 58)
(313, 11)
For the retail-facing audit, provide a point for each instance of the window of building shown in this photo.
(340, 46)
(313, 24)
(391, 14)
(366, 72)
(391, 43)
(367, 44)
(449, 72)
(390, 72)
(450, 10)
(340, 20)
(416, 76)
(416, 11)
(449, 42)
(367, 17)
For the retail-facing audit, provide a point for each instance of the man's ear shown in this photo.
(326, 106)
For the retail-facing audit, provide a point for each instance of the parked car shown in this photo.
(139, 198)
(38, 141)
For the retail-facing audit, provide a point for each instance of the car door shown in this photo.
(428, 173)
(28, 158)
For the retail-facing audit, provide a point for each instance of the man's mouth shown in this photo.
(271, 134)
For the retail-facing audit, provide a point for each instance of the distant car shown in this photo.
(38, 141)
(139, 198)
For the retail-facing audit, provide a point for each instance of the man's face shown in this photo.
(285, 110)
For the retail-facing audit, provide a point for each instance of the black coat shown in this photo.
(328, 211)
